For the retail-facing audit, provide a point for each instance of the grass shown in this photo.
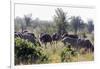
(86, 57)
(54, 53)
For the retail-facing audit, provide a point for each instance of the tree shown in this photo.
(90, 26)
(60, 20)
(19, 24)
(28, 20)
(76, 23)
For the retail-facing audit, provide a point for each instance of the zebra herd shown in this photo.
(66, 38)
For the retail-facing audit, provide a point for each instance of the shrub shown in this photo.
(67, 53)
(28, 53)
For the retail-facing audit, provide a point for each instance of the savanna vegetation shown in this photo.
(27, 52)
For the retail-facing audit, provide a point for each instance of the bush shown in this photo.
(67, 53)
(28, 53)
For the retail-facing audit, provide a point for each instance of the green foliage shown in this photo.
(90, 26)
(26, 52)
(60, 20)
(66, 54)
(76, 23)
